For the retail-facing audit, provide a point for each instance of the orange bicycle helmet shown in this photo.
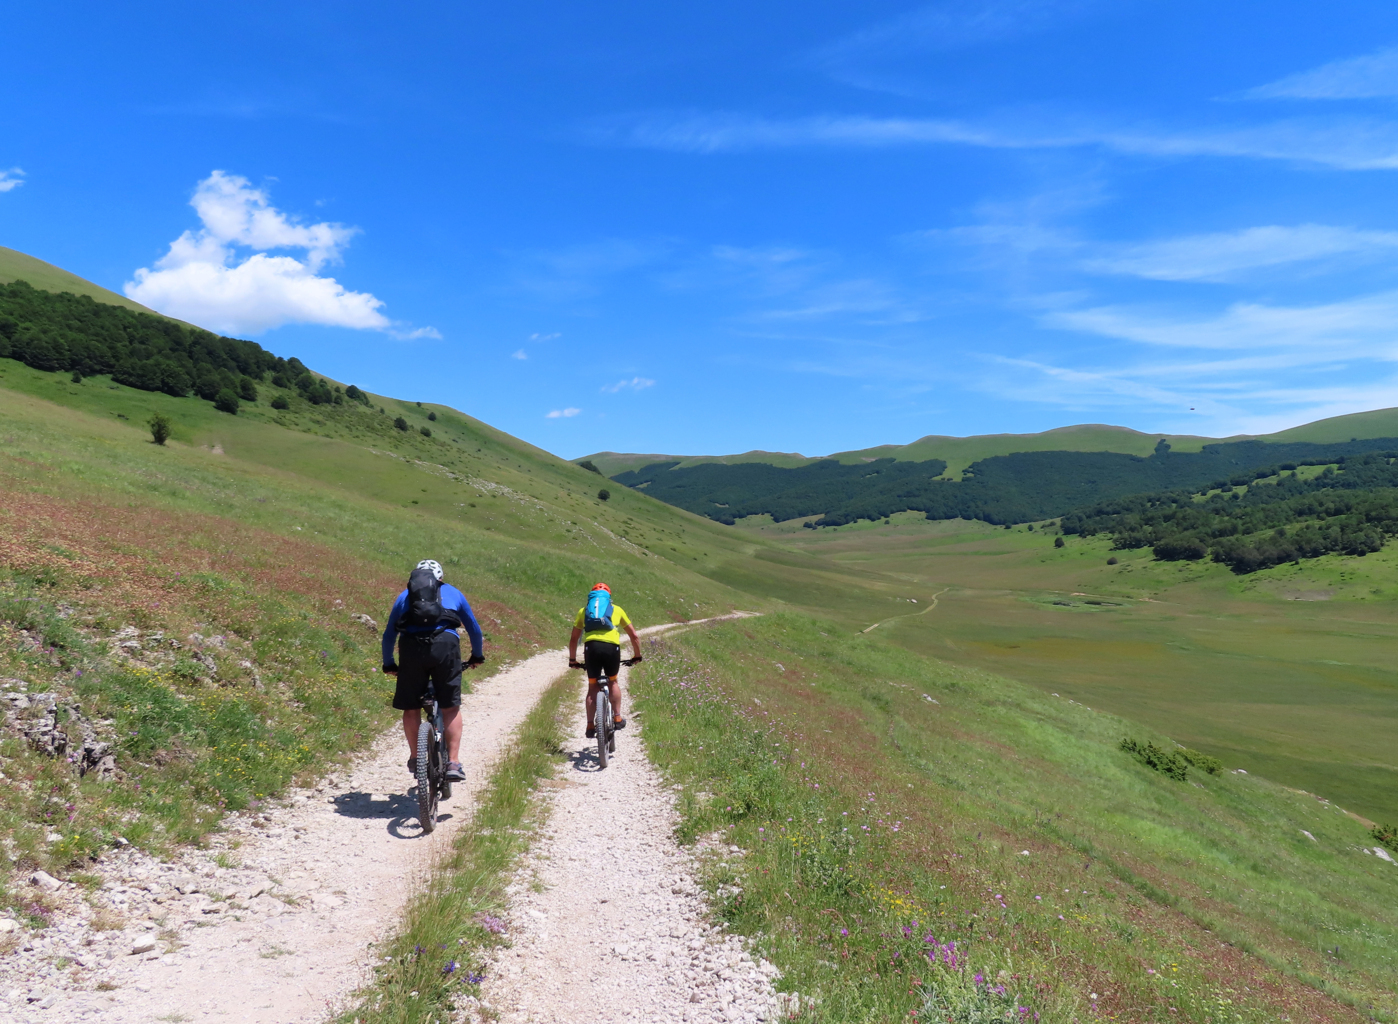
(601, 586)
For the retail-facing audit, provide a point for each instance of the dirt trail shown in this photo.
(931, 606)
(286, 934)
(607, 923)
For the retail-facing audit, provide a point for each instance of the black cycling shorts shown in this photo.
(434, 659)
(601, 658)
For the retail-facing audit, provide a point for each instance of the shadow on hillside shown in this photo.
(399, 809)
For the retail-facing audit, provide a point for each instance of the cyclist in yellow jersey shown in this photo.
(602, 657)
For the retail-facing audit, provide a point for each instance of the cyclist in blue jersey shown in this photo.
(427, 615)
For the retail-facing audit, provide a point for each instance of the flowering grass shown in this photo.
(931, 843)
(432, 967)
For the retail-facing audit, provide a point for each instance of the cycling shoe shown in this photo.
(412, 765)
(455, 773)
(619, 723)
(591, 732)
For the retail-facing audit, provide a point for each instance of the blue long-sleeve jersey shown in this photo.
(453, 600)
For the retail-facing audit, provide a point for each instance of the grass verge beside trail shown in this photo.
(433, 964)
(925, 842)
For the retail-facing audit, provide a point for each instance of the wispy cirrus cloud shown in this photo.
(634, 384)
(11, 179)
(562, 414)
(1346, 144)
(1221, 256)
(877, 57)
(1360, 328)
(1371, 76)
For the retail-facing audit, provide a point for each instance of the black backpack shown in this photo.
(425, 609)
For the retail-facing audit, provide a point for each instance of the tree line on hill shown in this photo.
(60, 331)
(1005, 489)
(1350, 510)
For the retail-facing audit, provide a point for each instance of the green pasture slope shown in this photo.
(17, 266)
(267, 530)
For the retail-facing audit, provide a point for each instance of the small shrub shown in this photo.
(226, 401)
(432, 416)
(400, 423)
(588, 465)
(1058, 542)
(1204, 762)
(1112, 560)
(1167, 763)
(604, 495)
(77, 377)
(280, 402)
(424, 431)
(1386, 835)
(1180, 549)
(247, 389)
(159, 428)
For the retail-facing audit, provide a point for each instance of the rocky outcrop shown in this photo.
(56, 728)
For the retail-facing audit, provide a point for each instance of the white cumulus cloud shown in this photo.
(634, 384)
(520, 354)
(562, 414)
(11, 179)
(207, 279)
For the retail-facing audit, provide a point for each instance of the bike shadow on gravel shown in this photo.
(398, 809)
(585, 760)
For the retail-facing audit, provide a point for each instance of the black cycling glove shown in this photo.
(476, 659)
(389, 668)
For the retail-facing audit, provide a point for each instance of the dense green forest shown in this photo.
(1018, 488)
(1350, 509)
(60, 331)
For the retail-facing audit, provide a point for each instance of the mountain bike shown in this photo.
(432, 782)
(602, 719)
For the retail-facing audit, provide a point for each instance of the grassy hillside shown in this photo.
(16, 266)
(267, 530)
(936, 840)
(190, 608)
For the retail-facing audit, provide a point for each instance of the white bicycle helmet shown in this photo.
(436, 567)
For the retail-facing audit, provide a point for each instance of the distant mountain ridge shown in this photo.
(960, 452)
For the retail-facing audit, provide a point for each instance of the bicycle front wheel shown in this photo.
(426, 790)
(601, 722)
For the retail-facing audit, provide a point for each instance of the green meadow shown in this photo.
(271, 527)
(1288, 672)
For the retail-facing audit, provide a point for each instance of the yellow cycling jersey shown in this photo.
(611, 636)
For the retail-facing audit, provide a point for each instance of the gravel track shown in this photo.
(619, 931)
(286, 935)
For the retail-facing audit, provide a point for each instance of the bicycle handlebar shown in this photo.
(625, 661)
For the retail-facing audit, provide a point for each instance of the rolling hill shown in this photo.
(960, 452)
(17, 266)
(252, 541)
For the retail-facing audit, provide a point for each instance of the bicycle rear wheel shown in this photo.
(601, 722)
(426, 788)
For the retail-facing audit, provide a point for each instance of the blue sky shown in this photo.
(722, 226)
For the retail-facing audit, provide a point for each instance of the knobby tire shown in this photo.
(601, 720)
(426, 791)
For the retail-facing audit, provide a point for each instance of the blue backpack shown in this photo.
(597, 615)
